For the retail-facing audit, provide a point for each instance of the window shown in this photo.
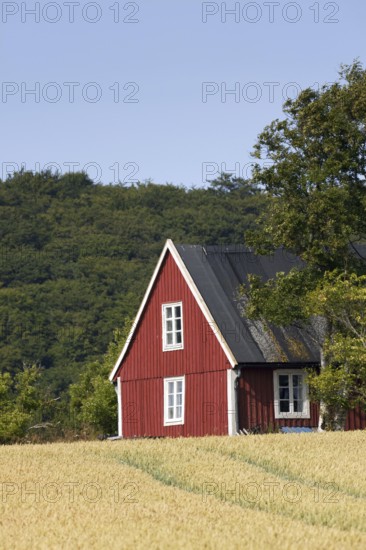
(291, 394)
(172, 326)
(173, 401)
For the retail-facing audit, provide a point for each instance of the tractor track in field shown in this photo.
(157, 473)
(286, 476)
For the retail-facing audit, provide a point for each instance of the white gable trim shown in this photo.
(169, 247)
(203, 306)
(140, 311)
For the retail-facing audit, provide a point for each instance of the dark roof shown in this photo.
(217, 272)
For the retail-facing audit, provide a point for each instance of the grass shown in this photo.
(278, 491)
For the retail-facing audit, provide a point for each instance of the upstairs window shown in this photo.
(291, 394)
(172, 326)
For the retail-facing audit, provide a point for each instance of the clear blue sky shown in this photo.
(161, 126)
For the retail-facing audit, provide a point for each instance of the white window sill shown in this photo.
(292, 416)
(172, 348)
(174, 423)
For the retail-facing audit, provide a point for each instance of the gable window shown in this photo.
(174, 401)
(291, 394)
(172, 326)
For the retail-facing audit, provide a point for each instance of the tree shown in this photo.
(93, 398)
(227, 183)
(316, 209)
(316, 181)
(19, 400)
(341, 299)
(75, 259)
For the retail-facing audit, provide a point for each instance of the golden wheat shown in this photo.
(283, 491)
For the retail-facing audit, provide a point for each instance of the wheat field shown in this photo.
(272, 491)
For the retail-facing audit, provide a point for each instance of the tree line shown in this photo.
(75, 260)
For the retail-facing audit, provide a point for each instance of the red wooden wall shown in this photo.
(205, 407)
(356, 420)
(204, 365)
(202, 361)
(256, 404)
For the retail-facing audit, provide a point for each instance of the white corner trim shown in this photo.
(119, 401)
(169, 247)
(231, 402)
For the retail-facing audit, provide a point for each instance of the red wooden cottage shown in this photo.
(193, 365)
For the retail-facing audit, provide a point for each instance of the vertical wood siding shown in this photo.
(256, 405)
(356, 420)
(256, 402)
(204, 365)
(202, 361)
(205, 407)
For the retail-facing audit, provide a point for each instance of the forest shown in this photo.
(75, 260)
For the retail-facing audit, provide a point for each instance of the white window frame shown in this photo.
(174, 346)
(291, 414)
(175, 420)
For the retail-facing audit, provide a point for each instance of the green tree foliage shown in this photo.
(316, 179)
(93, 398)
(317, 209)
(75, 260)
(282, 300)
(76, 257)
(341, 299)
(19, 400)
